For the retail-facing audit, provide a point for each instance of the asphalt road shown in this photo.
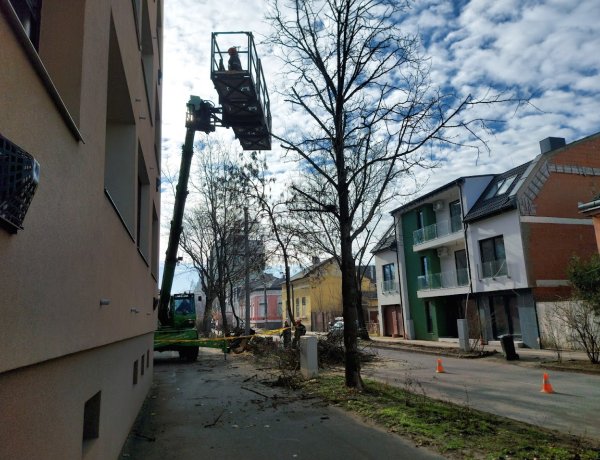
(496, 386)
(217, 409)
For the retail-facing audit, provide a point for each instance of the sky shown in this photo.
(546, 49)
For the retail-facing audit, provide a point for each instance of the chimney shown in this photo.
(551, 143)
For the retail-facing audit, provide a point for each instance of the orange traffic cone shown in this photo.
(439, 369)
(546, 387)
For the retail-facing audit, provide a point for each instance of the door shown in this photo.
(393, 325)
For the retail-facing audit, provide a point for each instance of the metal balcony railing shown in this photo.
(389, 286)
(444, 280)
(437, 230)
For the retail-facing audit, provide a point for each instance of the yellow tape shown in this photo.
(216, 339)
(274, 331)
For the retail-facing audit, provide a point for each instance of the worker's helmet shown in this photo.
(232, 50)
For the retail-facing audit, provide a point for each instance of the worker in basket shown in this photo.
(234, 59)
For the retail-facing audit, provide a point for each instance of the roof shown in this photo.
(437, 191)
(491, 202)
(310, 269)
(387, 242)
(272, 283)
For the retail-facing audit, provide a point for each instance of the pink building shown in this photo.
(266, 311)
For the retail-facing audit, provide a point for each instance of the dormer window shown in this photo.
(500, 187)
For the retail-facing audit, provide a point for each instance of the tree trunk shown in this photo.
(223, 306)
(349, 288)
(207, 317)
(288, 290)
(362, 327)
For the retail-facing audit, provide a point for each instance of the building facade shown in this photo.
(79, 222)
(265, 303)
(494, 249)
(317, 295)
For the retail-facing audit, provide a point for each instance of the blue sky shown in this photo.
(544, 48)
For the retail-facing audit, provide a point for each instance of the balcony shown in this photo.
(389, 286)
(494, 269)
(452, 282)
(438, 234)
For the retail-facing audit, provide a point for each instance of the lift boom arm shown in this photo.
(199, 117)
(181, 193)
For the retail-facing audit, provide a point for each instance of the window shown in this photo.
(137, 15)
(455, 220)
(91, 418)
(425, 270)
(154, 242)
(135, 372)
(143, 206)
(493, 257)
(500, 187)
(297, 307)
(29, 15)
(121, 152)
(389, 281)
(147, 56)
(425, 265)
(428, 317)
(420, 219)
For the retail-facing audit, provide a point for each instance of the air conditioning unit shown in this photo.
(438, 205)
(442, 252)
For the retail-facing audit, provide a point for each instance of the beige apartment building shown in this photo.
(80, 92)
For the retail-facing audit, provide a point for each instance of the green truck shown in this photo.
(179, 334)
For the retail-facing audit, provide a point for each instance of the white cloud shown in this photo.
(543, 48)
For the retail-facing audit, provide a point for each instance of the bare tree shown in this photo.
(370, 115)
(274, 209)
(213, 230)
(582, 326)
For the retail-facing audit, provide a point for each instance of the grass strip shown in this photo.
(453, 430)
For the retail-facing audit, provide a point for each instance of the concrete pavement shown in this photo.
(216, 408)
(526, 353)
(497, 386)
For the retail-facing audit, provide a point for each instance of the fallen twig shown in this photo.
(257, 392)
(216, 420)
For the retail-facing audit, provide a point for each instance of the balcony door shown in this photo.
(455, 217)
(460, 261)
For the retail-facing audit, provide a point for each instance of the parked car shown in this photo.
(336, 329)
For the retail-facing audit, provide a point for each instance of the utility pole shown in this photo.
(247, 270)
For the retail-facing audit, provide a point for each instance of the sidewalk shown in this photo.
(226, 409)
(524, 353)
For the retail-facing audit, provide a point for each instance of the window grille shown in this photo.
(19, 177)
